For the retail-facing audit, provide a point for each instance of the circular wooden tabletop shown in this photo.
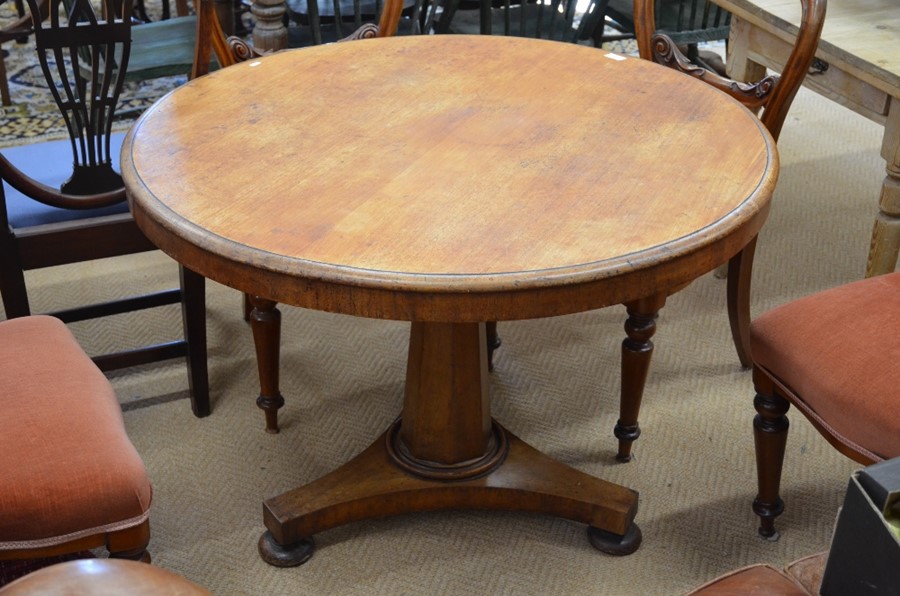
(449, 178)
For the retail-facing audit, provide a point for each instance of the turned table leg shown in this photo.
(265, 320)
(886, 231)
(269, 33)
(636, 352)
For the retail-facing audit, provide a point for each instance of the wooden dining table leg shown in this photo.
(636, 352)
(265, 321)
(270, 33)
(446, 452)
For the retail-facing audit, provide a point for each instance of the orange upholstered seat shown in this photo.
(69, 476)
(839, 350)
(833, 355)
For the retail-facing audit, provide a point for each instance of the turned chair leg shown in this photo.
(5, 97)
(770, 428)
(130, 543)
(12, 279)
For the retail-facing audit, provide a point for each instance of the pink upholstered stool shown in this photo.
(103, 577)
(69, 477)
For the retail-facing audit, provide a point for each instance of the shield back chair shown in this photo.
(215, 48)
(832, 355)
(161, 48)
(770, 97)
(70, 479)
(63, 202)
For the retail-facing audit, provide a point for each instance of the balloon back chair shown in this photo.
(770, 97)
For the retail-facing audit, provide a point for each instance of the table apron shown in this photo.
(448, 304)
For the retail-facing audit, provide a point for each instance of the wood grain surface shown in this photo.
(864, 33)
(449, 178)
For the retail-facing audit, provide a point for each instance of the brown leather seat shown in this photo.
(800, 578)
(103, 577)
(755, 580)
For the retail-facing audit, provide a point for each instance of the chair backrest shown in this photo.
(87, 104)
(324, 21)
(773, 94)
(556, 20)
(685, 21)
(212, 41)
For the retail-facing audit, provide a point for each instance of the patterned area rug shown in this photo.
(33, 114)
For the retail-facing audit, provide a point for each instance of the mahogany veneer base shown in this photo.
(372, 486)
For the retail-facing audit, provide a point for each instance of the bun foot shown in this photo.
(614, 544)
(279, 555)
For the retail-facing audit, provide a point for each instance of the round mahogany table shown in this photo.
(448, 181)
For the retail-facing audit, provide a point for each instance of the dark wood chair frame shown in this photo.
(772, 96)
(88, 108)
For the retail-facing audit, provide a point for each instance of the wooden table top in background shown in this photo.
(381, 172)
(857, 65)
(865, 34)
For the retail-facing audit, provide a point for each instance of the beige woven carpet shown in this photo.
(555, 385)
